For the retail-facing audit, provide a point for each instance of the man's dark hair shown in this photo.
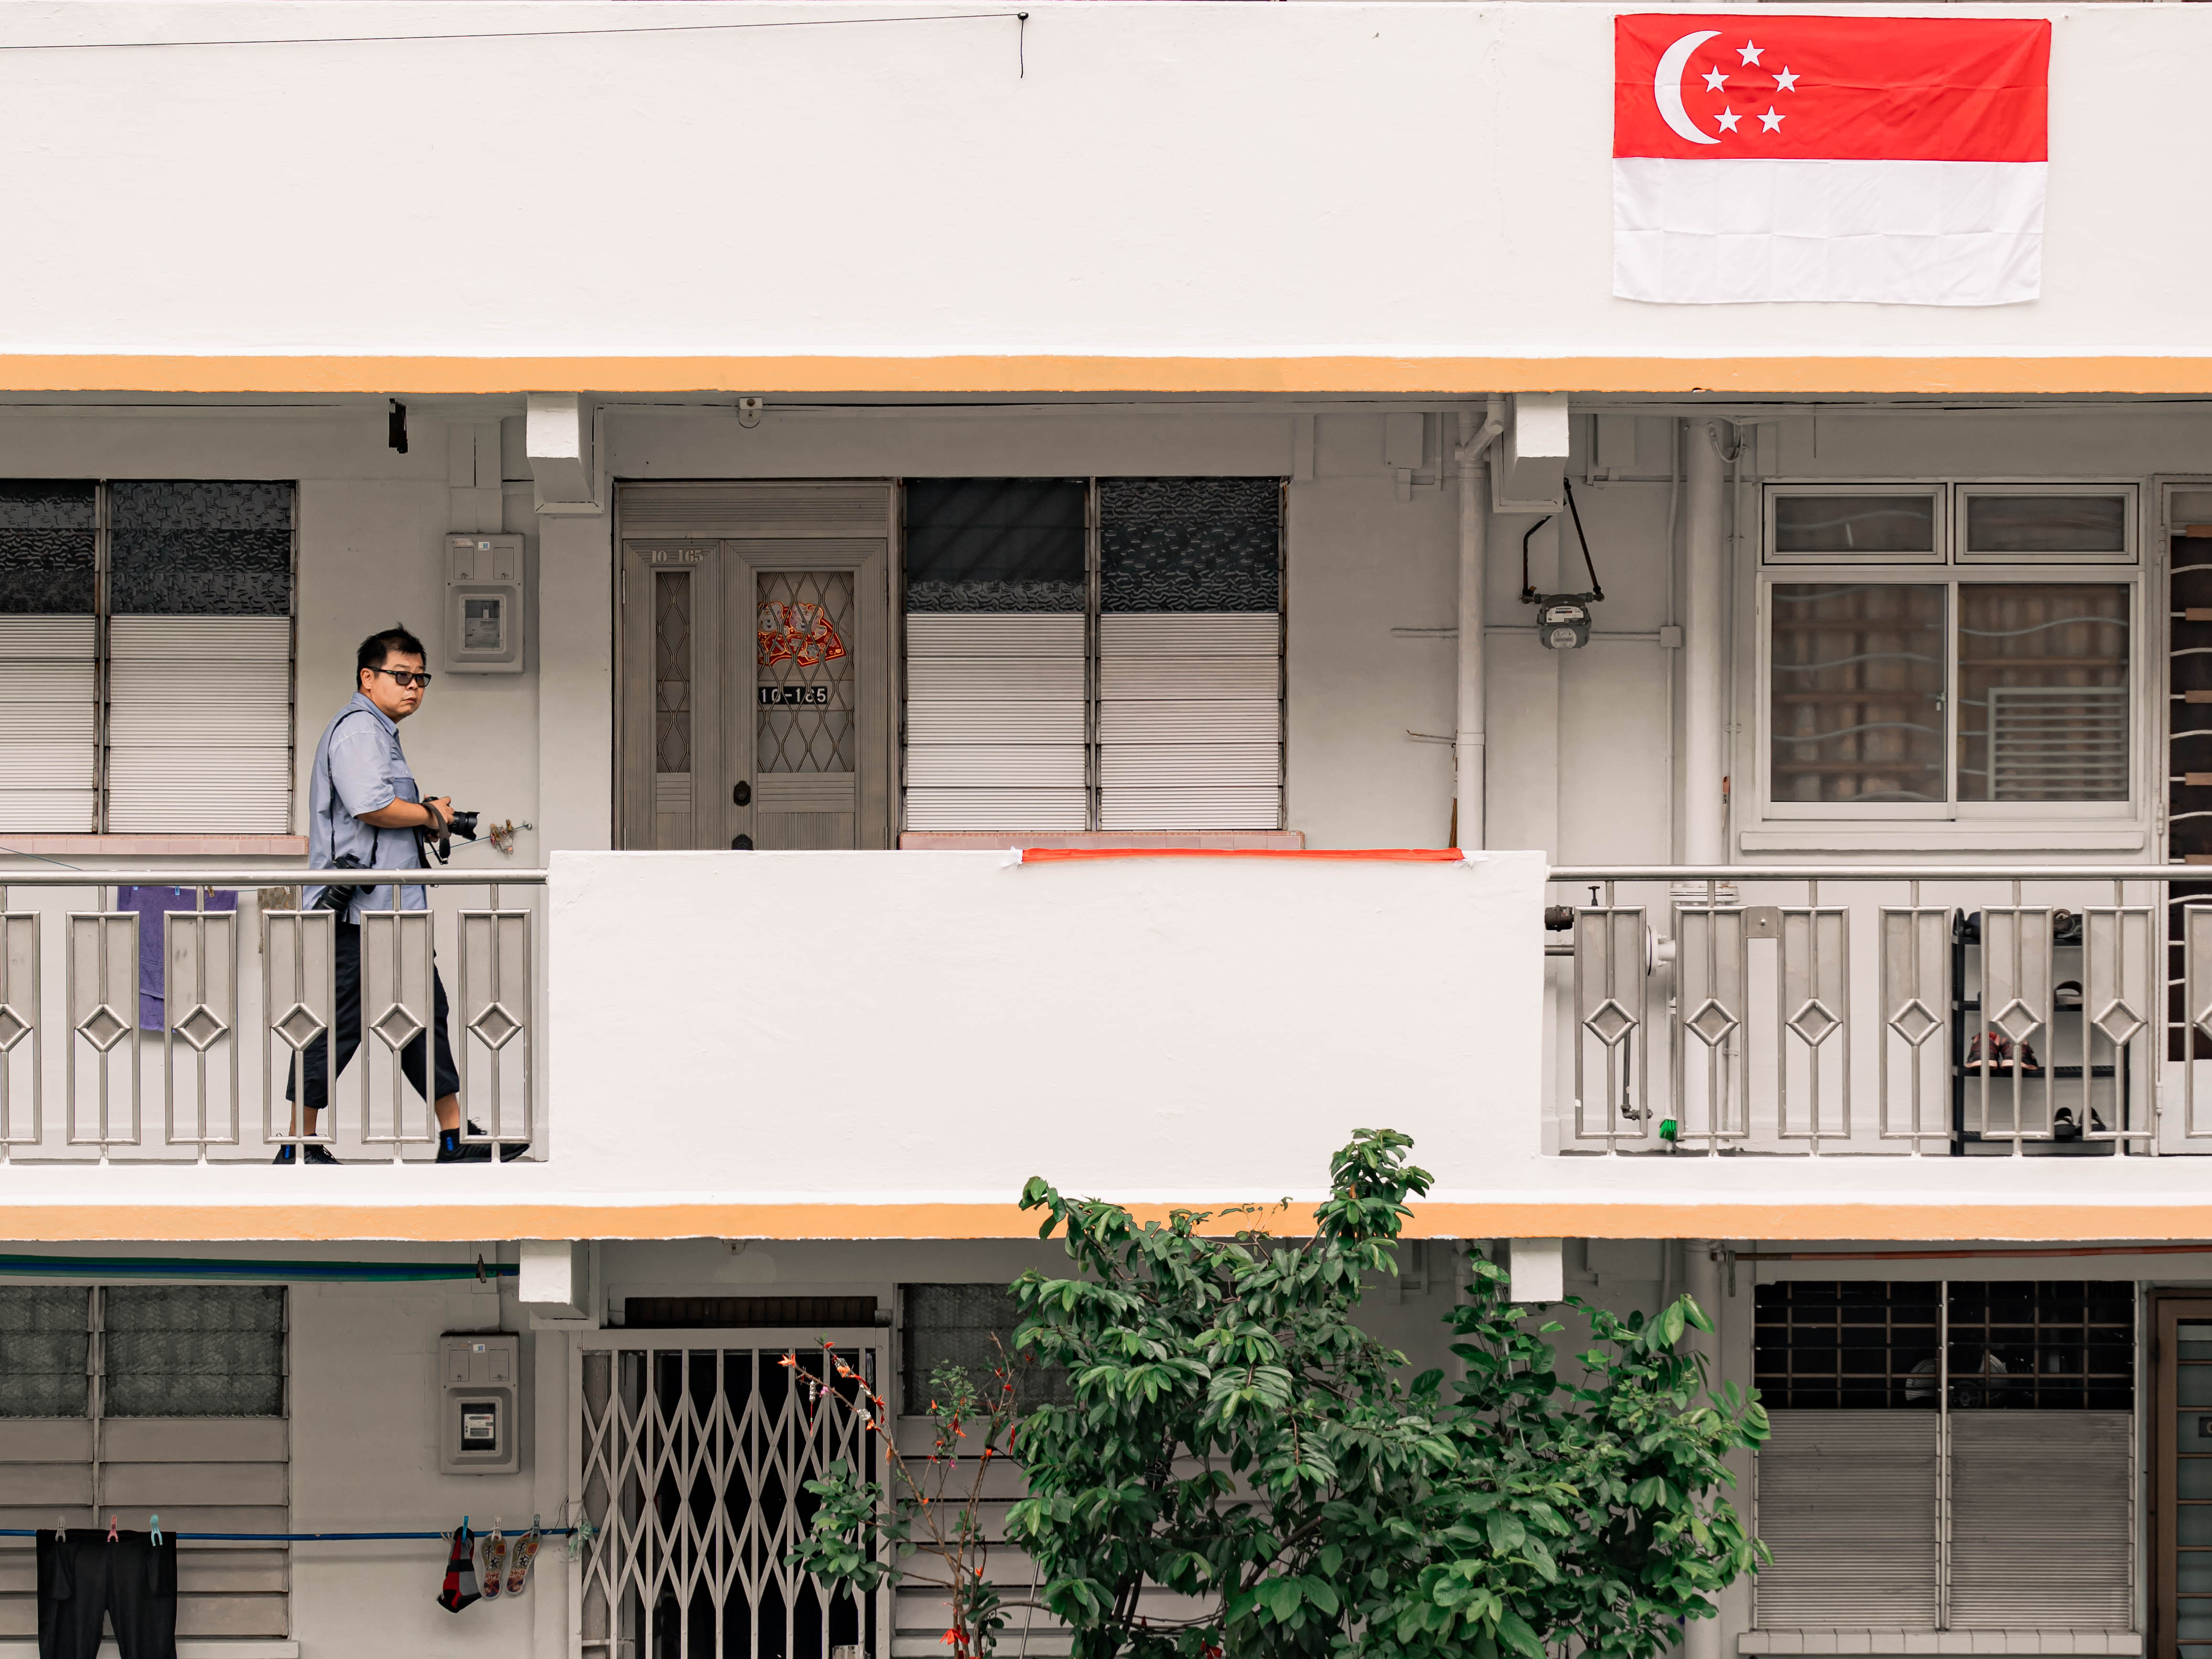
(377, 649)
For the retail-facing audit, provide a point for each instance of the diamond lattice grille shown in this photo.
(695, 1462)
(200, 1027)
(672, 670)
(805, 651)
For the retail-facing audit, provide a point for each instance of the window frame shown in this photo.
(1094, 612)
(1939, 518)
(2131, 569)
(103, 655)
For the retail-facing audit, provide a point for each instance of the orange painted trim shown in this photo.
(451, 1223)
(1336, 854)
(1020, 375)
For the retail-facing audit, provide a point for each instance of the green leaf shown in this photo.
(1518, 1637)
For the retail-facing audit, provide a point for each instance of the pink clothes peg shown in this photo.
(111, 1524)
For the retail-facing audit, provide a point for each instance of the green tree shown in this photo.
(1237, 1440)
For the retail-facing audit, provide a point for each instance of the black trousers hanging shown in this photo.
(132, 1581)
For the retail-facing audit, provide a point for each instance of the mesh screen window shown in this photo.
(2036, 1344)
(969, 1325)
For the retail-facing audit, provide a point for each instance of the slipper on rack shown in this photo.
(526, 1552)
(493, 1559)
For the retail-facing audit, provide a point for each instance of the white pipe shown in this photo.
(1469, 744)
(1701, 1277)
(1705, 822)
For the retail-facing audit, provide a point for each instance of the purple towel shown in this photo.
(152, 904)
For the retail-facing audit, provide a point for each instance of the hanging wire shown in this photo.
(501, 35)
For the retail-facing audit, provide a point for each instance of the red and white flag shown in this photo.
(1899, 159)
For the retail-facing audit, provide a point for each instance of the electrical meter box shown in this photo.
(476, 1400)
(483, 603)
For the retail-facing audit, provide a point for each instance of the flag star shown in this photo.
(1785, 81)
(1714, 80)
(1728, 118)
(1749, 52)
(1771, 122)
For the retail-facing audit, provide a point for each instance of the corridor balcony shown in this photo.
(890, 1044)
(1907, 1012)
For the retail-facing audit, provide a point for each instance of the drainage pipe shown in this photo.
(1704, 819)
(1468, 740)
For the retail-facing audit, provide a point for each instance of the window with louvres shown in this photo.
(150, 1400)
(1947, 1454)
(111, 592)
(1190, 650)
(1060, 680)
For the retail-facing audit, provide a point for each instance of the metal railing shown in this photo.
(75, 1009)
(1917, 1010)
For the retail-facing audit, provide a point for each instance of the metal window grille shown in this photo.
(110, 590)
(1947, 1454)
(692, 1459)
(135, 1400)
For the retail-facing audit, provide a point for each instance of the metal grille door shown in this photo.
(693, 1455)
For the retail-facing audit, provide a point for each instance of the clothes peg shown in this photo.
(153, 1526)
(111, 1524)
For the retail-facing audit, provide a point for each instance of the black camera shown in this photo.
(437, 840)
(338, 896)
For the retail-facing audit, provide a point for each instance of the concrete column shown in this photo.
(1704, 612)
(575, 683)
(1469, 744)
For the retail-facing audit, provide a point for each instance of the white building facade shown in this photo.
(836, 455)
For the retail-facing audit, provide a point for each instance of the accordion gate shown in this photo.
(692, 1459)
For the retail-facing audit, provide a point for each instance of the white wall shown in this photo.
(1210, 179)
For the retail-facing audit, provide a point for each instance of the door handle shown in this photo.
(742, 795)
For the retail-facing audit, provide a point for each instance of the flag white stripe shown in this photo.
(1895, 232)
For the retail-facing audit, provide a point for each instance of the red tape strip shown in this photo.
(1360, 854)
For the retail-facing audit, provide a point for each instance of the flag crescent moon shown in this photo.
(1666, 87)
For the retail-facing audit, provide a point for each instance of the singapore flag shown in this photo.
(1897, 160)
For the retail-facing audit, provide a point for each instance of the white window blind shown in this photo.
(1847, 1502)
(112, 597)
(138, 1400)
(49, 741)
(227, 766)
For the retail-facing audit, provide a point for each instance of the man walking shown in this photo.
(365, 812)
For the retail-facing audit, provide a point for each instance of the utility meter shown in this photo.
(477, 1430)
(483, 603)
(1563, 620)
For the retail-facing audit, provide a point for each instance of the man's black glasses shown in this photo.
(402, 678)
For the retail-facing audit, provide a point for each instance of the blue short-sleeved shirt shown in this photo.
(359, 768)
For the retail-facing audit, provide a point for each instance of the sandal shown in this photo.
(526, 1552)
(493, 1559)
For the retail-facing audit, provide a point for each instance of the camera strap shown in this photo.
(375, 831)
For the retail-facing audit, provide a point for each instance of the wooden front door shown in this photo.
(755, 684)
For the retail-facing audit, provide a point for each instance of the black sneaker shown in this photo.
(315, 1155)
(451, 1149)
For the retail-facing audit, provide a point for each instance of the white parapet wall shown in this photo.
(1350, 185)
(939, 1027)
